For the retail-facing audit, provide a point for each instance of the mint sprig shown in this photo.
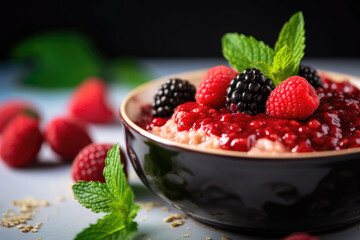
(293, 35)
(246, 52)
(283, 66)
(113, 197)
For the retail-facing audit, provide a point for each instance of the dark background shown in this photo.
(179, 29)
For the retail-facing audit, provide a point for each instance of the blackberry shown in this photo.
(248, 92)
(310, 74)
(170, 95)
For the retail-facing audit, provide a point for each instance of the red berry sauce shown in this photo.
(334, 125)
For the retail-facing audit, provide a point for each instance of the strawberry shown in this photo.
(294, 98)
(90, 162)
(211, 91)
(21, 141)
(300, 236)
(12, 108)
(88, 103)
(66, 137)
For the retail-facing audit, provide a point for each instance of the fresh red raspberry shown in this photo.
(21, 141)
(294, 98)
(66, 137)
(11, 108)
(90, 162)
(89, 102)
(301, 236)
(211, 91)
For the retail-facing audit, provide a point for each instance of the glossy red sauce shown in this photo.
(334, 125)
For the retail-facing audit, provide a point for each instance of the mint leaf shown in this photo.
(293, 35)
(114, 197)
(60, 59)
(244, 52)
(130, 210)
(114, 174)
(93, 195)
(284, 65)
(110, 227)
(265, 68)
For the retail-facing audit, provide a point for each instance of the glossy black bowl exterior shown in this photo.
(247, 193)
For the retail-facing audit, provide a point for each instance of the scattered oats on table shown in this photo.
(27, 208)
(173, 217)
(165, 209)
(60, 199)
(148, 206)
(176, 223)
(20, 226)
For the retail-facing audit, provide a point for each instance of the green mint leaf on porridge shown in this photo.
(284, 65)
(293, 35)
(115, 197)
(244, 52)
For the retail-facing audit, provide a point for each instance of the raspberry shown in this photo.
(66, 137)
(10, 109)
(211, 91)
(21, 141)
(89, 102)
(300, 236)
(294, 98)
(90, 162)
(170, 95)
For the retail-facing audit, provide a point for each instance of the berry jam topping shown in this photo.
(334, 125)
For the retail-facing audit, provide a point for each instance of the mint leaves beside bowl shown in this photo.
(114, 197)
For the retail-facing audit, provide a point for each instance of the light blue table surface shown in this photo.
(51, 178)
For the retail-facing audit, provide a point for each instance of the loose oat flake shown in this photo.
(27, 208)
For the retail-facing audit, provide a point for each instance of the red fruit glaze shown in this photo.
(66, 137)
(334, 125)
(211, 91)
(89, 102)
(301, 236)
(21, 141)
(294, 98)
(10, 109)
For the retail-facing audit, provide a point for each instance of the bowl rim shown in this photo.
(227, 153)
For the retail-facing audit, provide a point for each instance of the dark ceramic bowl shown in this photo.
(267, 193)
